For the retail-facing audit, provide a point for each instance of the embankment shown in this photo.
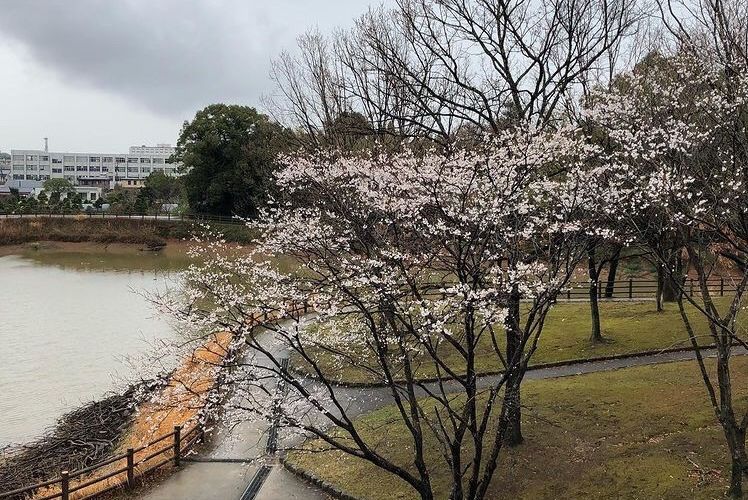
(90, 229)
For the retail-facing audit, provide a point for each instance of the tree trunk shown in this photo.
(669, 288)
(739, 465)
(512, 406)
(660, 287)
(596, 335)
(610, 286)
(512, 402)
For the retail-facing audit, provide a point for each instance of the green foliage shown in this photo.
(163, 188)
(228, 154)
(57, 185)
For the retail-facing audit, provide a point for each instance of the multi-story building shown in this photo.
(101, 170)
(4, 167)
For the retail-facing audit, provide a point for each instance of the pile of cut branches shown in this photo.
(80, 438)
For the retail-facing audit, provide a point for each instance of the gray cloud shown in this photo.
(171, 56)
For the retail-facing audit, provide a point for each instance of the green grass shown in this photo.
(629, 327)
(630, 433)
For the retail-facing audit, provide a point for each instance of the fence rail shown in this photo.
(132, 467)
(638, 289)
(165, 217)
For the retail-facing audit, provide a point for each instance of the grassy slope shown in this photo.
(631, 433)
(629, 326)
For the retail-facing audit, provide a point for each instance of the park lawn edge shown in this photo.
(690, 430)
(533, 367)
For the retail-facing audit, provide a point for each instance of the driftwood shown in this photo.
(80, 438)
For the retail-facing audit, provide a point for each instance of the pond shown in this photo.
(70, 320)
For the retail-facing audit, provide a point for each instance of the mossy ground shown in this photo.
(628, 327)
(645, 432)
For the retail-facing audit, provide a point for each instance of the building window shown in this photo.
(146, 170)
(56, 160)
(44, 158)
(158, 169)
(105, 169)
(158, 160)
(81, 159)
(132, 160)
(30, 157)
(107, 159)
(120, 169)
(18, 177)
(145, 160)
(56, 170)
(69, 168)
(19, 157)
(81, 168)
(94, 159)
(31, 167)
(132, 169)
(94, 169)
(19, 168)
(42, 168)
(43, 177)
(120, 159)
(68, 159)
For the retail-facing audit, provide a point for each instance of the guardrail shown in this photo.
(135, 463)
(221, 219)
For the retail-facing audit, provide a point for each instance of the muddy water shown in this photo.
(71, 322)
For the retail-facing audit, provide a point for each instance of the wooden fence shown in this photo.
(135, 463)
(642, 289)
(164, 217)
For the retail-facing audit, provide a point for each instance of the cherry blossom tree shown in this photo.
(682, 155)
(418, 260)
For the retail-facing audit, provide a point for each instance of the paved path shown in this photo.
(221, 480)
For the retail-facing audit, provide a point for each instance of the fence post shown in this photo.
(65, 485)
(631, 288)
(721, 287)
(130, 468)
(177, 444)
(306, 306)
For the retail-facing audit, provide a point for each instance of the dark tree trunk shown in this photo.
(596, 335)
(660, 287)
(513, 436)
(610, 285)
(669, 288)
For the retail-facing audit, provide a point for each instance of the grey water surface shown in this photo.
(71, 323)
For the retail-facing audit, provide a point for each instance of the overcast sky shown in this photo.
(102, 75)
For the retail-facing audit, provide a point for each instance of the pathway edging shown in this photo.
(539, 366)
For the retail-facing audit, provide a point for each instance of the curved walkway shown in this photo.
(206, 480)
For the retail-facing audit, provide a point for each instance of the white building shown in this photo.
(97, 170)
(158, 149)
(4, 167)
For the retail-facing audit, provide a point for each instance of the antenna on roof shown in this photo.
(46, 144)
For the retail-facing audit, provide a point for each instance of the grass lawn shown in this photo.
(629, 327)
(644, 432)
